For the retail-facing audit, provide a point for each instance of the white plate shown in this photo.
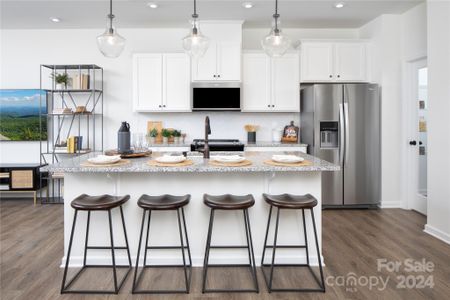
(287, 158)
(104, 159)
(170, 159)
(228, 158)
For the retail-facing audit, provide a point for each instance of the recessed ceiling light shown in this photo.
(339, 5)
(247, 5)
(55, 20)
(152, 5)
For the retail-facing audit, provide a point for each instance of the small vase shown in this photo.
(165, 140)
(152, 140)
(176, 139)
(60, 86)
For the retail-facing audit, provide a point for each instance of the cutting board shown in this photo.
(158, 126)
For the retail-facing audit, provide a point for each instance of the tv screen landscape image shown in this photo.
(19, 115)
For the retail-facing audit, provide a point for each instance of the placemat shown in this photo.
(120, 163)
(185, 163)
(279, 164)
(238, 164)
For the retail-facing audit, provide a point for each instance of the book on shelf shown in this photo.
(74, 144)
(81, 82)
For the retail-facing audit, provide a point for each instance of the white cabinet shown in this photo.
(270, 85)
(334, 61)
(222, 60)
(161, 82)
(300, 148)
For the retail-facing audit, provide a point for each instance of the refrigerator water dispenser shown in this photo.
(329, 135)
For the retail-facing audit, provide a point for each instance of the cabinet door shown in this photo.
(147, 82)
(229, 61)
(286, 83)
(317, 61)
(205, 67)
(176, 82)
(350, 61)
(256, 82)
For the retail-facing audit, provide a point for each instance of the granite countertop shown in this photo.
(257, 144)
(139, 165)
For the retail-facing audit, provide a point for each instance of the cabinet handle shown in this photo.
(215, 76)
(164, 105)
(268, 105)
(338, 76)
(218, 75)
(160, 105)
(273, 105)
(331, 76)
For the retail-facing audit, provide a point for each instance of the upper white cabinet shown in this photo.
(270, 84)
(222, 60)
(334, 61)
(161, 82)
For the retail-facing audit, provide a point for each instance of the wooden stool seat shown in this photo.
(228, 201)
(288, 201)
(163, 202)
(102, 202)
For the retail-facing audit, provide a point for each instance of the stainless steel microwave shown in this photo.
(216, 96)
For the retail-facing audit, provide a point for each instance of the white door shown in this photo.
(177, 81)
(317, 61)
(256, 82)
(147, 81)
(229, 61)
(350, 62)
(205, 67)
(286, 83)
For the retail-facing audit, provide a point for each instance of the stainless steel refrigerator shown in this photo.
(341, 124)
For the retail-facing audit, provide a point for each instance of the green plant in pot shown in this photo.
(166, 134)
(153, 134)
(176, 136)
(61, 80)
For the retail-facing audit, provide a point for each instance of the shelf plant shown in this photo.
(61, 80)
(153, 134)
(176, 136)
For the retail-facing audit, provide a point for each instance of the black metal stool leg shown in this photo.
(63, 287)
(208, 244)
(274, 250)
(251, 253)
(306, 237)
(318, 252)
(182, 252)
(146, 239)
(267, 234)
(87, 237)
(126, 237)
(135, 281)
(187, 240)
(116, 288)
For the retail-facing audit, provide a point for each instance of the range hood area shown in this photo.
(216, 96)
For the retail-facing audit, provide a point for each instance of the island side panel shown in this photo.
(228, 226)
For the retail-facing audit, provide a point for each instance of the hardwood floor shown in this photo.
(31, 241)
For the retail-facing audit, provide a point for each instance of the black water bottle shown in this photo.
(123, 138)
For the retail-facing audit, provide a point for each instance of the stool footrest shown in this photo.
(319, 289)
(166, 266)
(166, 247)
(228, 247)
(106, 248)
(287, 246)
(229, 265)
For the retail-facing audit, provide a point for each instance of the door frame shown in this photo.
(410, 178)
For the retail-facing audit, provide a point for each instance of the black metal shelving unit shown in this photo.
(60, 126)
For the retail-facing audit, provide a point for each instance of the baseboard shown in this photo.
(437, 233)
(391, 204)
(77, 261)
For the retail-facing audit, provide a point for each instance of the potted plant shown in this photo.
(61, 80)
(153, 134)
(166, 133)
(176, 136)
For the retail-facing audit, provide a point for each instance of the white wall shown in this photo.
(384, 32)
(438, 208)
(22, 52)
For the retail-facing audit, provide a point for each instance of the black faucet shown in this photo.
(207, 132)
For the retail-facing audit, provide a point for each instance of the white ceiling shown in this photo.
(136, 13)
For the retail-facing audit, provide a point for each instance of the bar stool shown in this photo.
(229, 202)
(160, 203)
(288, 201)
(97, 203)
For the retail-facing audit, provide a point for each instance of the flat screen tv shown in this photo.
(19, 115)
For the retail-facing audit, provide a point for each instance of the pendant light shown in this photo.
(275, 44)
(110, 43)
(195, 43)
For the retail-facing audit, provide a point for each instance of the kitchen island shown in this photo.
(137, 178)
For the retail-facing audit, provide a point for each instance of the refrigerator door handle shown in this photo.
(347, 133)
(341, 135)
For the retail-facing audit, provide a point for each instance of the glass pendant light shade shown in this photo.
(110, 43)
(275, 44)
(195, 43)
